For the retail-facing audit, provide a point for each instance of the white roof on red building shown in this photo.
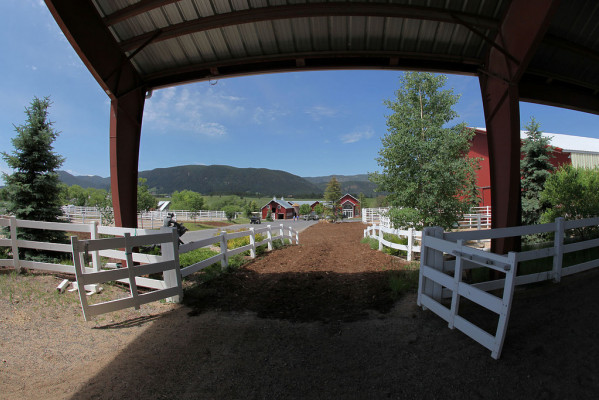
(568, 143)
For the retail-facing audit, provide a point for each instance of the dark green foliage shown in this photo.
(222, 179)
(145, 199)
(395, 239)
(571, 193)
(187, 200)
(33, 188)
(353, 184)
(535, 168)
(230, 212)
(425, 165)
(305, 209)
(332, 195)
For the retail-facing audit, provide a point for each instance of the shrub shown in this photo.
(373, 243)
(195, 256)
(398, 240)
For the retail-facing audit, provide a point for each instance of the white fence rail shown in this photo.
(442, 278)
(377, 232)
(148, 219)
(168, 266)
(112, 248)
(373, 215)
(478, 218)
(272, 234)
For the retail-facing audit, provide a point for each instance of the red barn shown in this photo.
(280, 209)
(350, 206)
(480, 149)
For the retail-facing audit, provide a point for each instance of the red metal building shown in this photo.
(480, 149)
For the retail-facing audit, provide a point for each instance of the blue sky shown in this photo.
(309, 124)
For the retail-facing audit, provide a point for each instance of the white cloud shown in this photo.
(357, 135)
(262, 115)
(194, 109)
(319, 112)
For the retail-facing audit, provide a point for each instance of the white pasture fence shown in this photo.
(377, 232)
(112, 248)
(225, 254)
(168, 266)
(478, 218)
(373, 215)
(442, 278)
(147, 219)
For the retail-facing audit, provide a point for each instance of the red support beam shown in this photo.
(126, 115)
(522, 28)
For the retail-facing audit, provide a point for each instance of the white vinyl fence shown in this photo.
(478, 218)
(441, 277)
(147, 219)
(272, 234)
(377, 232)
(168, 266)
(93, 272)
(373, 215)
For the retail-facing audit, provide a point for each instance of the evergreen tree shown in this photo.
(333, 194)
(535, 168)
(33, 189)
(425, 165)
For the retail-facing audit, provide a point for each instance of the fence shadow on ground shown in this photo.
(551, 351)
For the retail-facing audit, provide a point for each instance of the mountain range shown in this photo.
(224, 179)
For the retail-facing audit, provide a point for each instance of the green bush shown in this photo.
(398, 240)
(404, 281)
(195, 256)
(373, 243)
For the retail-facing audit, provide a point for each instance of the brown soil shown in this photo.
(314, 321)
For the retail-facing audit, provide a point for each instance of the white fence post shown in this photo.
(93, 226)
(291, 235)
(269, 237)
(224, 263)
(252, 243)
(380, 237)
(558, 257)
(410, 243)
(433, 259)
(15, 248)
(170, 251)
(296, 237)
(282, 233)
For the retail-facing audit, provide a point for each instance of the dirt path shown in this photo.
(231, 345)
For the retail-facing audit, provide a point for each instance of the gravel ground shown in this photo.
(286, 347)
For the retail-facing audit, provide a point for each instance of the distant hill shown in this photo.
(354, 184)
(85, 181)
(213, 179)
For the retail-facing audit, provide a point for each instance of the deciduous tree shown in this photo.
(425, 167)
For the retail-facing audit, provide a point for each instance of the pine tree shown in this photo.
(33, 189)
(332, 194)
(535, 168)
(425, 165)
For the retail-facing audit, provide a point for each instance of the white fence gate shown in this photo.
(169, 267)
(442, 278)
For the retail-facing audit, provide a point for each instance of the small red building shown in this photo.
(280, 209)
(350, 206)
(480, 150)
